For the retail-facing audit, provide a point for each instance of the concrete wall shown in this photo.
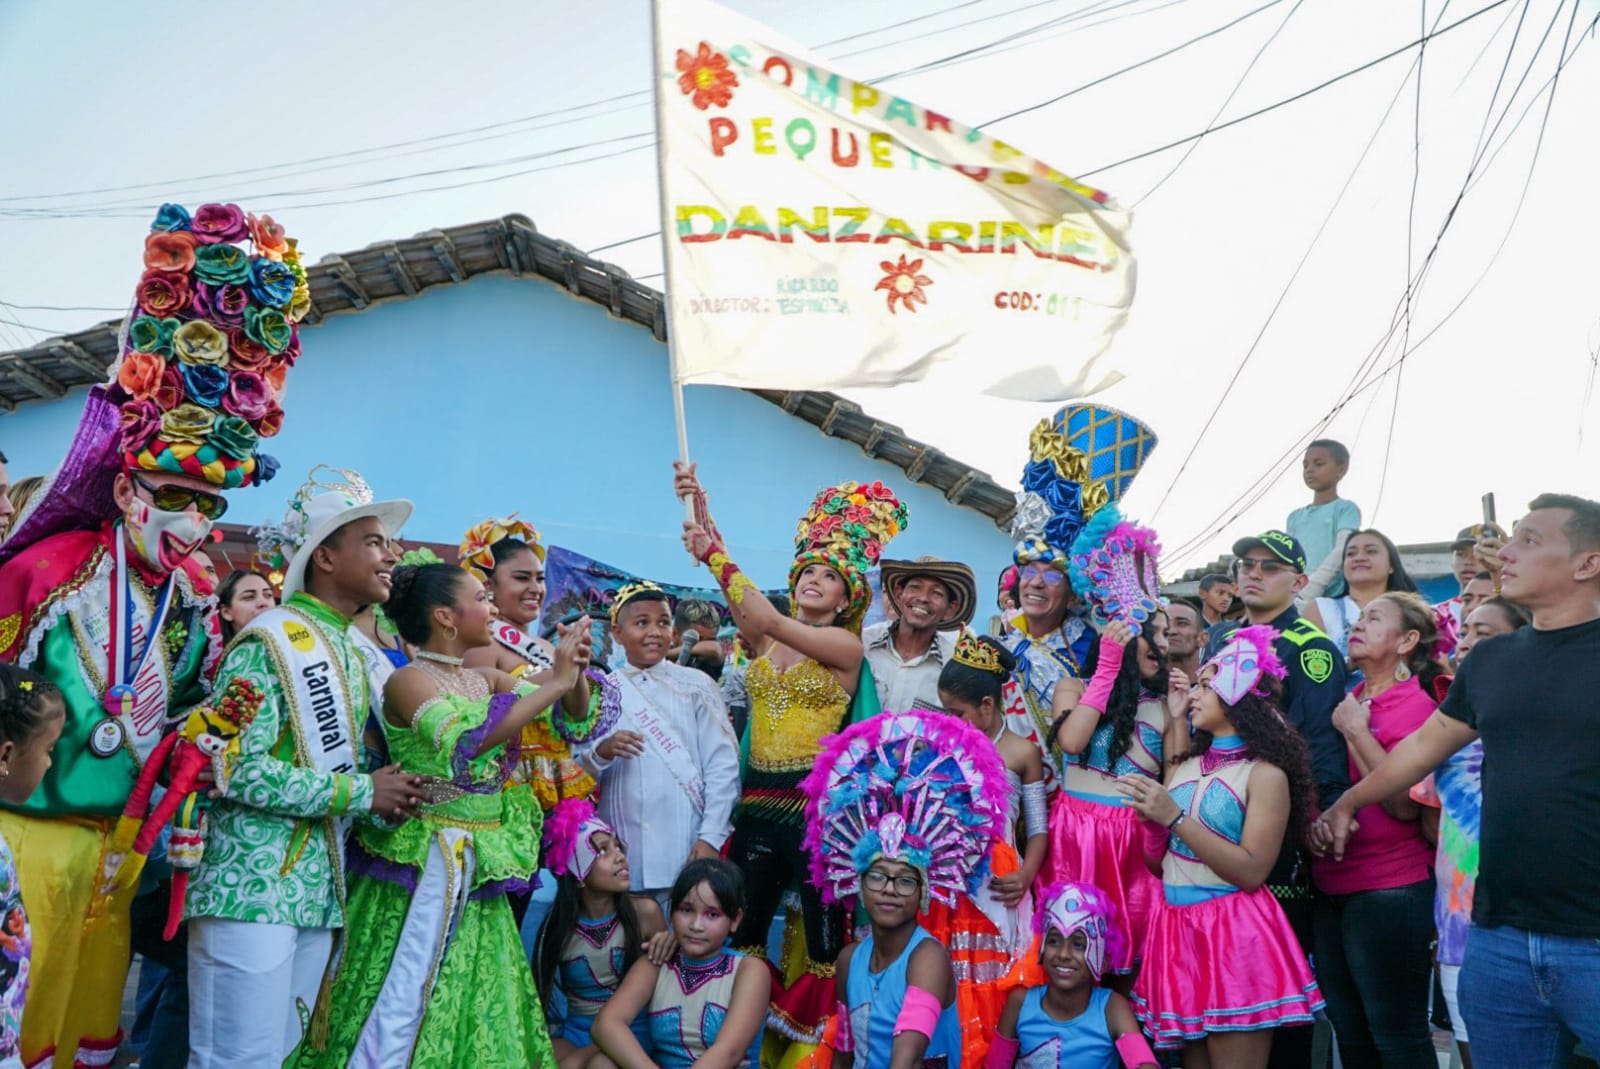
(506, 394)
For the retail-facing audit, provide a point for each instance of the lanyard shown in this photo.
(123, 668)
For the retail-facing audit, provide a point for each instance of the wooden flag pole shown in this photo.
(666, 259)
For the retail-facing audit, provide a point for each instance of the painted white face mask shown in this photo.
(164, 539)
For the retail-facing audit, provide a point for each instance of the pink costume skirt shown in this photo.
(1102, 845)
(1228, 964)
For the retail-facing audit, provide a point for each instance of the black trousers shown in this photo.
(772, 859)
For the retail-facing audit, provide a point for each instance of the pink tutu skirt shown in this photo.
(1229, 964)
(1102, 845)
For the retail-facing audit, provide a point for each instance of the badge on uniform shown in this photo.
(1317, 665)
(107, 736)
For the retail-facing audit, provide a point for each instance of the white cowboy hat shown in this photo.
(321, 507)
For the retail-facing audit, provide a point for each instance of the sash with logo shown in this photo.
(525, 646)
(323, 704)
(662, 739)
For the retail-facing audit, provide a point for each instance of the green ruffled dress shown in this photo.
(484, 1009)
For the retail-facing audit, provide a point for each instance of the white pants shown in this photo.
(251, 986)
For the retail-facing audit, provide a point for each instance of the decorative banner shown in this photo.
(824, 233)
(575, 584)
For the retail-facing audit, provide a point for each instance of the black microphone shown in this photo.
(686, 651)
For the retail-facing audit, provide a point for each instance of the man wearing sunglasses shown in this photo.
(1269, 572)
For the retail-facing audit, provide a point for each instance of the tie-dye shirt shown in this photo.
(1456, 790)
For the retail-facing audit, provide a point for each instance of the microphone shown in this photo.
(686, 651)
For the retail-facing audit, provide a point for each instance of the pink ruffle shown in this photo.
(1102, 845)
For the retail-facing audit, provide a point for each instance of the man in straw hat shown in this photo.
(268, 896)
(932, 600)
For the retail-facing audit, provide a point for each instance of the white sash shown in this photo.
(320, 710)
(152, 682)
(525, 646)
(661, 737)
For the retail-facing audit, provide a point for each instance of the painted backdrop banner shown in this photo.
(821, 232)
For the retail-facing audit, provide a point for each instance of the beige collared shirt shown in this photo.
(903, 684)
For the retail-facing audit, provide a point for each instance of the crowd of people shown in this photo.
(386, 812)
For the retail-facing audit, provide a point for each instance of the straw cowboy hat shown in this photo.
(956, 577)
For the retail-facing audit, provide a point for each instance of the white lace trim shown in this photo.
(53, 615)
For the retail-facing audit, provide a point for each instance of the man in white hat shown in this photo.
(268, 897)
(932, 600)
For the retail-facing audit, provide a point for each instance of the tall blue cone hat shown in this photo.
(1080, 460)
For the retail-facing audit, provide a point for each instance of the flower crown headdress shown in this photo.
(846, 528)
(477, 545)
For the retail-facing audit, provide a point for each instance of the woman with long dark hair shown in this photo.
(241, 597)
(1372, 566)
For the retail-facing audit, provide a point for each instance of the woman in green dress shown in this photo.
(432, 971)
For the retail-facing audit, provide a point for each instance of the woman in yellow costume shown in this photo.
(809, 679)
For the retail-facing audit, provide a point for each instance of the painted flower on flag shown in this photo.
(706, 78)
(904, 281)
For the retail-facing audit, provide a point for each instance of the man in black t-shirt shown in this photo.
(1530, 984)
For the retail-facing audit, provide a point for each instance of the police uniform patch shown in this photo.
(1316, 664)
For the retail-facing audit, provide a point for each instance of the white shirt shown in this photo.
(904, 685)
(641, 798)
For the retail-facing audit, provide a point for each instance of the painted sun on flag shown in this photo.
(824, 233)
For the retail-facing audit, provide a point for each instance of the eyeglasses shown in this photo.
(904, 886)
(172, 498)
(1051, 576)
(1246, 565)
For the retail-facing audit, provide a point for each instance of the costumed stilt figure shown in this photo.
(809, 679)
(1080, 460)
(900, 812)
(101, 593)
(433, 972)
(1114, 724)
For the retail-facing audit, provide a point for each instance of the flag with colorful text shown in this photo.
(821, 232)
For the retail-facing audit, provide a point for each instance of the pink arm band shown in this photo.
(918, 1013)
(844, 1040)
(1002, 1053)
(1097, 695)
(1135, 1051)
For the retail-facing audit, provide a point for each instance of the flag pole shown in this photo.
(666, 258)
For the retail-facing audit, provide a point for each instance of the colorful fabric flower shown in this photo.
(247, 353)
(171, 217)
(476, 552)
(188, 423)
(248, 395)
(198, 342)
(276, 374)
(170, 251)
(271, 423)
(271, 282)
(148, 334)
(205, 384)
(140, 374)
(299, 303)
(269, 327)
(267, 236)
(141, 421)
(233, 437)
(162, 295)
(215, 223)
(171, 392)
(220, 264)
(223, 305)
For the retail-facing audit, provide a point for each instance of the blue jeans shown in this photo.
(1375, 970)
(1529, 997)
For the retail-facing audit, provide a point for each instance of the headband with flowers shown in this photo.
(208, 345)
(477, 545)
(1247, 657)
(846, 528)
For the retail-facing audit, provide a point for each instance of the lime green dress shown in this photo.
(432, 971)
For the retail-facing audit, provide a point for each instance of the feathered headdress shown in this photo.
(924, 789)
(568, 841)
(846, 528)
(1072, 907)
(477, 545)
(1114, 567)
(1241, 663)
(1079, 461)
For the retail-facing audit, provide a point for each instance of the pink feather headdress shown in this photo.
(1115, 567)
(1241, 663)
(569, 833)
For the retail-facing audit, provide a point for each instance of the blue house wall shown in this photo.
(506, 394)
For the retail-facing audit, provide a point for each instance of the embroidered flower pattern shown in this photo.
(705, 78)
(904, 281)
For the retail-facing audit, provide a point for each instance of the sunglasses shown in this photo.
(1265, 567)
(171, 498)
(1051, 576)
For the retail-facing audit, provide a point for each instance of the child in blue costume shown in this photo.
(706, 1000)
(902, 810)
(1069, 1022)
(595, 930)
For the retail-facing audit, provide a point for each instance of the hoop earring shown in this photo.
(451, 637)
(1402, 672)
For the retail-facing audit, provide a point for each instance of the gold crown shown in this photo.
(630, 590)
(978, 654)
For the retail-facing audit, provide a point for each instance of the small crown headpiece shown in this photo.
(976, 653)
(631, 590)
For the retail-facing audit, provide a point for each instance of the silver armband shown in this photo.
(1035, 814)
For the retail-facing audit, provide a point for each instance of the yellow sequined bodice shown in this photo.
(790, 711)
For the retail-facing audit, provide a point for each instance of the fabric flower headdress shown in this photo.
(477, 545)
(1079, 461)
(207, 347)
(846, 528)
(1240, 665)
(1115, 567)
(924, 789)
(568, 840)
(1074, 907)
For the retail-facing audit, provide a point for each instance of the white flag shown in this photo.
(824, 233)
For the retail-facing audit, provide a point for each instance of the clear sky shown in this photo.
(112, 109)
